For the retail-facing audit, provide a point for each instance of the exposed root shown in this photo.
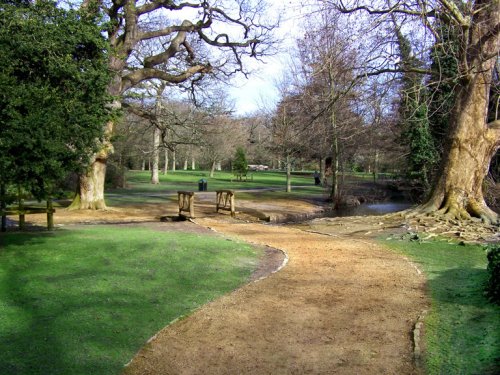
(452, 209)
(78, 204)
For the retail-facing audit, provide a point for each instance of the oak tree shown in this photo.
(230, 31)
(472, 138)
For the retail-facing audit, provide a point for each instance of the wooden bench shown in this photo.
(243, 177)
(22, 211)
(186, 202)
(225, 201)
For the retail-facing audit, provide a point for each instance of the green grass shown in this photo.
(84, 301)
(140, 190)
(462, 329)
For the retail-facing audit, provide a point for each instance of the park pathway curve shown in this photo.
(340, 306)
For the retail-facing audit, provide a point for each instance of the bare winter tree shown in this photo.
(288, 130)
(220, 136)
(173, 123)
(229, 30)
(329, 58)
(472, 139)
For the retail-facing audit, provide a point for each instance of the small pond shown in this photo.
(370, 209)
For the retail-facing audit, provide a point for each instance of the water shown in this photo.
(370, 209)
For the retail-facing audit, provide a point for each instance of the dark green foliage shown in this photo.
(443, 81)
(493, 286)
(53, 79)
(416, 134)
(240, 164)
(413, 113)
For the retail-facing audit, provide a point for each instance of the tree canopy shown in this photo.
(53, 80)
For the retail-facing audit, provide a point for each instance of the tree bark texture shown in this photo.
(288, 174)
(155, 168)
(212, 169)
(165, 167)
(91, 188)
(458, 191)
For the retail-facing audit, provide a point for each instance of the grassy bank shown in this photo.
(84, 301)
(462, 328)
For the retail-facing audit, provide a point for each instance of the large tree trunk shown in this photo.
(473, 142)
(458, 192)
(90, 195)
(90, 189)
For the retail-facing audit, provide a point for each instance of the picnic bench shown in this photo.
(22, 211)
(225, 201)
(186, 202)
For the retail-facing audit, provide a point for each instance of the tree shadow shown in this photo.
(467, 325)
(45, 338)
(67, 311)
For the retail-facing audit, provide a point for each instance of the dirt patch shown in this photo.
(339, 306)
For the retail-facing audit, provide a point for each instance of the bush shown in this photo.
(493, 286)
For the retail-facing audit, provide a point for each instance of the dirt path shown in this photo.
(340, 306)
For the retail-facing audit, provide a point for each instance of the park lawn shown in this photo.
(140, 190)
(462, 329)
(188, 180)
(83, 301)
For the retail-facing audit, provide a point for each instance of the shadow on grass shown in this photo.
(466, 324)
(86, 303)
(41, 330)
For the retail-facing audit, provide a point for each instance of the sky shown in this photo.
(259, 90)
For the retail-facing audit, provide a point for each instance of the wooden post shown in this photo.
(191, 206)
(50, 215)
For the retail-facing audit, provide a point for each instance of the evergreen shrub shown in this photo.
(493, 286)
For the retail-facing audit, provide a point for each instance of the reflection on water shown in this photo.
(370, 209)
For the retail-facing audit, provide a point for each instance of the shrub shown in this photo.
(493, 286)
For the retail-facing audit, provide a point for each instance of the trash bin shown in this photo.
(202, 185)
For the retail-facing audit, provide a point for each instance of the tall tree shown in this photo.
(472, 139)
(52, 94)
(214, 38)
(328, 57)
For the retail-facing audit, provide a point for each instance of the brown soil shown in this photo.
(340, 305)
